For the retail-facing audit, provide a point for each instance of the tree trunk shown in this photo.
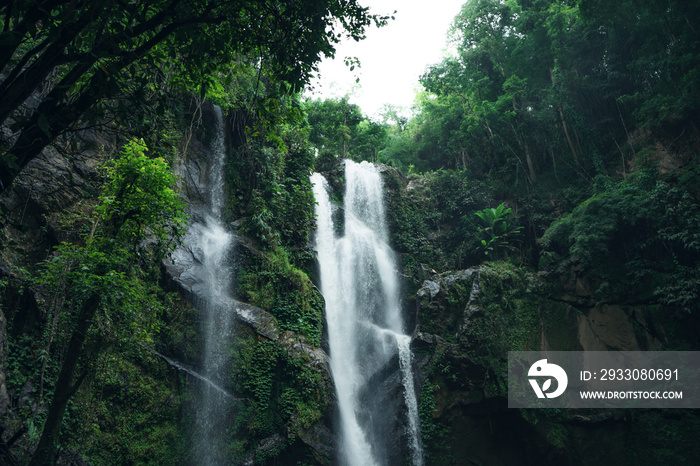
(51, 118)
(65, 388)
(56, 114)
(568, 137)
(530, 163)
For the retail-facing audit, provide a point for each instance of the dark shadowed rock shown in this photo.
(266, 447)
(4, 398)
(321, 441)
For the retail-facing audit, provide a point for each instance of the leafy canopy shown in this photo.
(84, 54)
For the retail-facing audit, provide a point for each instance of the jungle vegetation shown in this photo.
(580, 116)
(563, 133)
(87, 306)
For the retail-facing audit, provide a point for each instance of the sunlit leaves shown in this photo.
(139, 198)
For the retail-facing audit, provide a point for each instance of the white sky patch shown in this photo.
(392, 58)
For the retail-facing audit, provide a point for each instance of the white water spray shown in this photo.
(359, 282)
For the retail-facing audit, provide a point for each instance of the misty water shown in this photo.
(369, 348)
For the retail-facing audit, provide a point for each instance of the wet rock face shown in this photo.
(53, 182)
(389, 172)
(267, 447)
(321, 441)
(52, 187)
(470, 319)
(53, 190)
(192, 169)
(609, 327)
(446, 302)
(606, 326)
(185, 273)
(318, 437)
(4, 398)
(299, 348)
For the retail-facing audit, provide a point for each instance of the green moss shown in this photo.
(510, 311)
(435, 222)
(434, 434)
(560, 325)
(281, 392)
(272, 283)
(127, 414)
(127, 410)
(663, 437)
(557, 436)
(635, 240)
(508, 320)
(268, 185)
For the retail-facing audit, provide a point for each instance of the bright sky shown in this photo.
(392, 58)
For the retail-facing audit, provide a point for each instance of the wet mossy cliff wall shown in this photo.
(468, 319)
(136, 402)
(279, 376)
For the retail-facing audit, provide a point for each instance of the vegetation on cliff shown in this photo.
(89, 59)
(579, 118)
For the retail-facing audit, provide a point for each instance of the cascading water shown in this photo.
(208, 250)
(405, 357)
(359, 282)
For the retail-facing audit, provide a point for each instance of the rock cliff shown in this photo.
(467, 321)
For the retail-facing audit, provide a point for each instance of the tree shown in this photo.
(369, 140)
(340, 129)
(333, 125)
(80, 53)
(103, 276)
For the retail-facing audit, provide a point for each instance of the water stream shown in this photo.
(193, 373)
(360, 283)
(208, 249)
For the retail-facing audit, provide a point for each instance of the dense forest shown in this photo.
(543, 195)
(579, 116)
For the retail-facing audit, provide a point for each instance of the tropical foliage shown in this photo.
(499, 230)
(544, 99)
(338, 129)
(558, 142)
(105, 298)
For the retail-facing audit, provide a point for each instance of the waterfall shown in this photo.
(405, 358)
(359, 281)
(207, 255)
(189, 371)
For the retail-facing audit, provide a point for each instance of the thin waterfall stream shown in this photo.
(209, 251)
(360, 283)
